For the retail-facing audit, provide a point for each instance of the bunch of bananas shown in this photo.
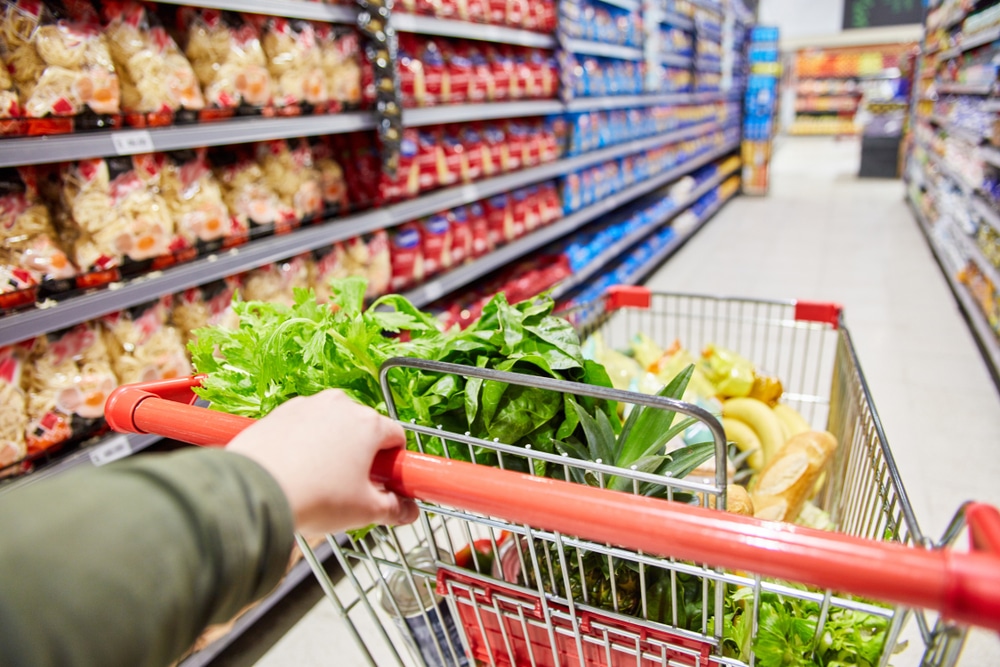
(755, 426)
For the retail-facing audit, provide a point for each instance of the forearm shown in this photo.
(125, 565)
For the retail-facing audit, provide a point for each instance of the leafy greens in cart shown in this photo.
(279, 352)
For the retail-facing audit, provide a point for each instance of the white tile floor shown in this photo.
(823, 234)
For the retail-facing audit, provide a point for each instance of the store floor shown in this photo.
(823, 234)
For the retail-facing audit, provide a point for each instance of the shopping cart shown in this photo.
(510, 568)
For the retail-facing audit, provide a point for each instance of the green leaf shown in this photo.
(600, 437)
(646, 426)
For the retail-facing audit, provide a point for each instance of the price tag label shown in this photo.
(116, 448)
(132, 142)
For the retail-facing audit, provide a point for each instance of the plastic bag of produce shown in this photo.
(113, 212)
(59, 60)
(732, 375)
(30, 251)
(225, 51)
(155, 76)
(69, 378)
(142, 346)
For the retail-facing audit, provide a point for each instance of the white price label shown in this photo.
(116, 448)
(132, 142)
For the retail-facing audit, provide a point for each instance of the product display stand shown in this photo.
(953, 182)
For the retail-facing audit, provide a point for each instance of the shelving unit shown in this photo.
(56, 315)
(954, 246)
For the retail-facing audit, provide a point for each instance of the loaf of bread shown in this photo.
(737, 500)
(785, 483)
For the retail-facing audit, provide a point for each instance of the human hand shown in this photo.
(320, 450)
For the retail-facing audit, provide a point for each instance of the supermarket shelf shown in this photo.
(453, 280)
(586, 47)
(951, 174)
(991, 106)
(297, 9)
(988, 341)
(463, 113)
(967, 88)
(429, 25)
(630, 5)
(708, 66)
(625, 101)
(31, 323)
(709, 5)
(984, 37)
(613, 251)
(40, 150)
(972, 250)
(107, 449)
(990, 154)
(955, 131)
(676, 20)
(675, 245)
(675, 60)
(987, 213)
(296, 575)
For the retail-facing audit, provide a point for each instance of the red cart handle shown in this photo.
(964, 587)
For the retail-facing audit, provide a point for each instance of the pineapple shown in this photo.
(640, 444)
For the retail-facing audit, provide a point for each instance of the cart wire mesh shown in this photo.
(459, 588)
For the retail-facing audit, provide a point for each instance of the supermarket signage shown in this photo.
(873, 13)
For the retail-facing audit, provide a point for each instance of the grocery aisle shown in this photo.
(822, 234)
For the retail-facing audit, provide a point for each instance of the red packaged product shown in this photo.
(473, 10)
(520, 208)
(534, 138)
(500, 219)
(544, 78)
(407, 257)
(412, 80)
(429, 158)
(497, 12)
(436, 243)
(475, 151)
(496, 151)
(406, 182)
(521, 79)
(534, 209)
(552, 135)
(447, 9)
(460, 73)
(517, 144)
(461, 235)
(517, 13)
(502, 69)
(452, 162)
(437, 79)
(479, 228)
(481, 86)
(550, 205)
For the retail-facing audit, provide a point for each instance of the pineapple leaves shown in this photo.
(600, 436)
(646, 427)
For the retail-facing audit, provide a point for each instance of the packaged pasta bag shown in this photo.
(157, 81)
(332, 183)
(294, 60)
(14, 416)
(69, 378)
(10, 104)
(248, 194)
(277, 282)
(369, 256)
(225, 51)
(31, 253)
(142, 346)
(194, 199)
(113, 213)
(209, 305)
(329, 263)
(340, 60)
(59, 61)
(289, 170)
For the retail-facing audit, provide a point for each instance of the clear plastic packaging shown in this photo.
(340, 60)
(206, 305)
(14, 416)
(248, 194)
(294, 60)
(277, 282)
(157, 80)
(369, 256)
(225, 51)
(10, 103)
(59, 61)
(194, 200)
(68, 381)
(142, 346)
(31, 253)
(113, 212)
(289, 170)
(332, 182)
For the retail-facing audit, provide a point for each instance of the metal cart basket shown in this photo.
(495, 580)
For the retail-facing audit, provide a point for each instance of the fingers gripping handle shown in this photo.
(963, 586)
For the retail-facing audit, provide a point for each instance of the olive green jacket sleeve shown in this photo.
(126, 564)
